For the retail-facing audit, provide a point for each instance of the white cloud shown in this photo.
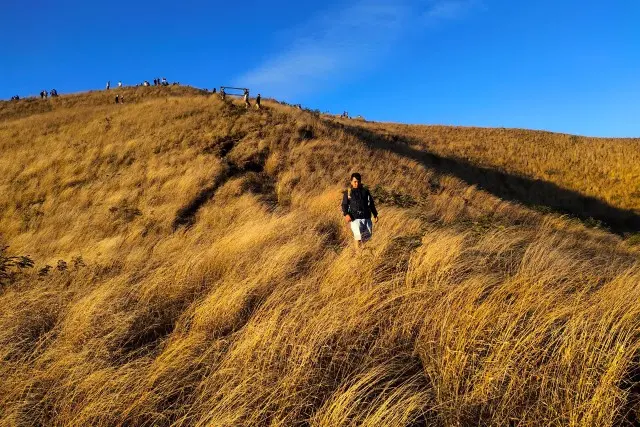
(341, 43)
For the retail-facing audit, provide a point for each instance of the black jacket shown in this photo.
(358, 203)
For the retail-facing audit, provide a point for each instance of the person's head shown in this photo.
(356, 180)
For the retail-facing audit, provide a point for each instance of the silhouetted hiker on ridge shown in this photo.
(357, 207)
(108, 84)
(258, 106)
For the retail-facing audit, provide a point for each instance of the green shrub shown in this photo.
(633, 239)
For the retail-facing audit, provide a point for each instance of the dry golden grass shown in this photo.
(606, 168)
(221, 287)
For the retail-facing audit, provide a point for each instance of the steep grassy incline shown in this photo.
(562, 170)
(201, 274)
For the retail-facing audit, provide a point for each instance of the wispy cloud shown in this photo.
(449, 10)
(343, 42)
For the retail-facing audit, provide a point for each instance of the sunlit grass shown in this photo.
(464, 309)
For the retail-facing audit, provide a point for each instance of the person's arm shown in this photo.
(345, 207)
(372, 206)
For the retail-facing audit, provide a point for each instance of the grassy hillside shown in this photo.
(200, 272)
(589, 177)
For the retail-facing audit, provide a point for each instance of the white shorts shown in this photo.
(362, 229)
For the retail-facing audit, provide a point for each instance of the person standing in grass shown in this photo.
(357, 208)
(258, 98)
(246, 99)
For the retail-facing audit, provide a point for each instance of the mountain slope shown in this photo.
(209, 277)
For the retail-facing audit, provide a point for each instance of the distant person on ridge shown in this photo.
(119, 84)
(258, 102)
(223, 94)
(246, 99)
(108, 84)
(357, 208)
(117, 99)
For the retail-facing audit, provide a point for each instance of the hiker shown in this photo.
(213, 91)
(247, 104)
(46, 94)
(164, 82)
(117, 99)
(258, 102)
(357, 208)
(121, 99)
(108, 84)
(119, 84)
(41, 94)
(223, 94)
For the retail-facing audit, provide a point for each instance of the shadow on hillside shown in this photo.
(533, 193)
(252, 169)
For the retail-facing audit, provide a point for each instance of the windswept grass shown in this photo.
(219, 286)
(606, 168)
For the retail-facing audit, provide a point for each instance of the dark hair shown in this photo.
(356, 175)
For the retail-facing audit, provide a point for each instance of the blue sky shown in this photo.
(565, 65)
